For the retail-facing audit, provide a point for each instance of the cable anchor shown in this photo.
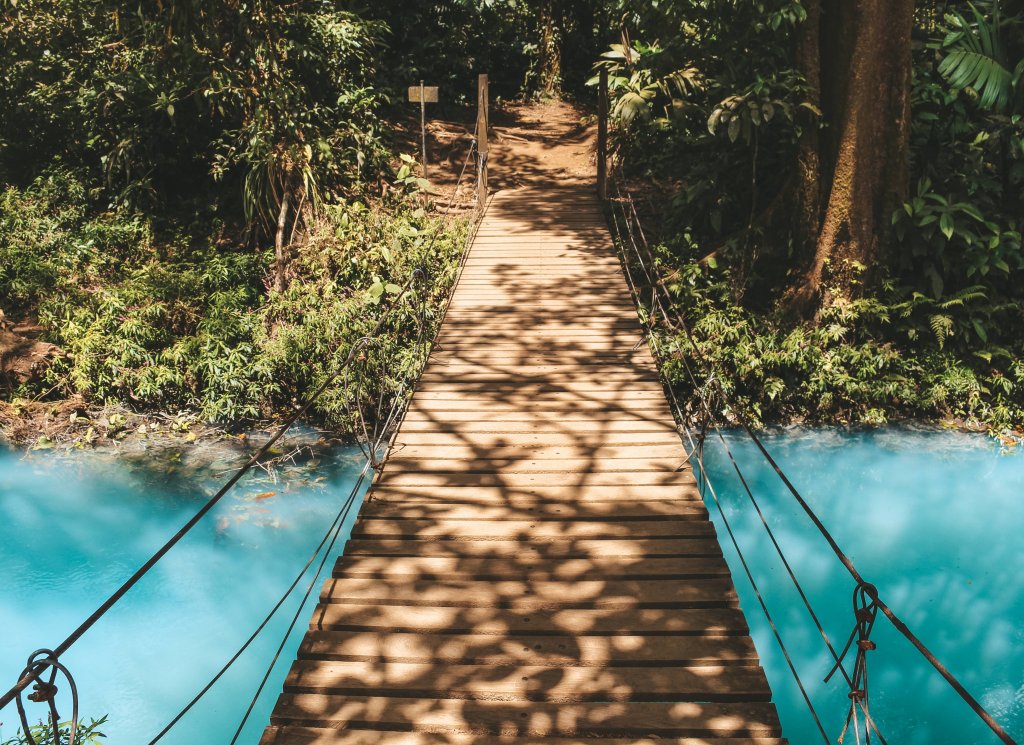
(865, 610)
(44, 691)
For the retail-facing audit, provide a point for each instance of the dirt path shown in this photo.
(532, 144)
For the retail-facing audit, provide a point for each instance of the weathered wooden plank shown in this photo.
(503, 376)
(631, 548)
(512, 649)
(590, 393)
(528, 682)
(530, 596)
(330, 736)
(394, 477)
(536, 529)
(468, 424)
(532, 568)
(442, 509)
(517, 454)
(451, 366)
(588, 406)
(540, 495)
(677, 719)
(502, 622)
(509, 466)
(534, 439)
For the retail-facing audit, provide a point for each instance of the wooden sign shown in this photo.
(423, 94)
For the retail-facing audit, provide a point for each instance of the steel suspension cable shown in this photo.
(697, 448)
(32, 674)
(870, 589)
(386, 434)
(710, 417)
(128, 584)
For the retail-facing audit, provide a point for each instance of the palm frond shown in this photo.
(977, 59)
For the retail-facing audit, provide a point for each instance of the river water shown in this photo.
(72, 530)
(934, 519)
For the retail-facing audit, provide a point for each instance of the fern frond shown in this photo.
(942, 327)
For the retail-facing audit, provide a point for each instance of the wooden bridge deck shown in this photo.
(533, 565)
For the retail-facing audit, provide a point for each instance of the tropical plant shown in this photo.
(977, 57)
(43, 734)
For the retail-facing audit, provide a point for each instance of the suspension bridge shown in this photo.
(534, 561)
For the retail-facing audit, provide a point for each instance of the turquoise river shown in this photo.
(934, 519)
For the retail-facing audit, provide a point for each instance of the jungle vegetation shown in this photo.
(198, 198)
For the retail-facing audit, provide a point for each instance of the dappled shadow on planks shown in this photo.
(535, 563)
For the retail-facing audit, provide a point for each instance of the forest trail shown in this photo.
(535, 563)
(532, 144)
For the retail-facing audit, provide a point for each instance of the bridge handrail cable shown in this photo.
(662, 303)
(43, 660)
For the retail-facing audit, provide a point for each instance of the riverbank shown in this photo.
(193, 346)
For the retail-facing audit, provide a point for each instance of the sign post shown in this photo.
(424, 94)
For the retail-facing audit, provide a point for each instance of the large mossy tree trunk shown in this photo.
(864, 47)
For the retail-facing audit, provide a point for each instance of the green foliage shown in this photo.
(939, 335)
(865, 362)
(976, 58)
(160, 102)
(717, 126)
(42, 733)
(187, 324)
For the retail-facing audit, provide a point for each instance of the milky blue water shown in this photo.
(72, 531)
(936, 521)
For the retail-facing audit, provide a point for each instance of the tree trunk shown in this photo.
(808, 167)
(280, 253)
(871, 125)
(549, 58)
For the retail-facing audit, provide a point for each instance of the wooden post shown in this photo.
(483, 148)
(423, 124)
(602, 136)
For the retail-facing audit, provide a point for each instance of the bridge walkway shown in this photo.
(534, 564)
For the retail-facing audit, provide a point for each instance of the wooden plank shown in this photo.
(533, 439)
(499, 382)
(330, 736)
(676, 719)
(509, 466)
(551, 651)
(518, 454)
(501, 622)
(628, 548)
(469, 425)
(528, 682)
(532, 596)
(438, 509)
(532, 568)
(392, 477)
(598, 496)
(535, 529)
(585, 405)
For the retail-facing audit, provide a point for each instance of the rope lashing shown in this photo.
(45, 692)
(865, 611)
